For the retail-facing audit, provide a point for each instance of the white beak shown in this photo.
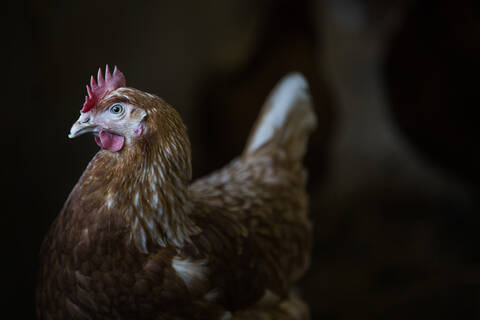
(83, 125)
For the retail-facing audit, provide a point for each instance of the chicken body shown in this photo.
(136, 240)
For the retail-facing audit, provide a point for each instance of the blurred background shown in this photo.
(394, 167)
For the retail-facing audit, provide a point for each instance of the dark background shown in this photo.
(395, 221)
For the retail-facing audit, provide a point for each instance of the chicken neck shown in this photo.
(146, 186)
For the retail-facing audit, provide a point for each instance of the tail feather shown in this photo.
(286, 119)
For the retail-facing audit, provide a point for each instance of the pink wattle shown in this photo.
(110, 141)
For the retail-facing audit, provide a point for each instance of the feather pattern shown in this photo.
(136, 239)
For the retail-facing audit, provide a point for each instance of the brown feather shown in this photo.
(136, 240)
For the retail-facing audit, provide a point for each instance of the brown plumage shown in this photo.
(136, 240)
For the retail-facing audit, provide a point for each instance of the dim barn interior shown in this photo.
(393, 166)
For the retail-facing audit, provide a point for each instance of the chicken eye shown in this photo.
(116, 109)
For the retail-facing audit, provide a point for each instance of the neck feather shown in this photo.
(147, 184)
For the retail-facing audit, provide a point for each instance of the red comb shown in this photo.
(96, 91)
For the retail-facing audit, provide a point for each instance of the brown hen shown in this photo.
(136, 240)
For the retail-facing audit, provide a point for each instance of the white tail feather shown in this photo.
(287, 117)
